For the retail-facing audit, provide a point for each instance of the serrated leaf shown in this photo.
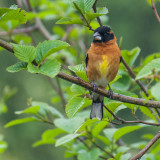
(155, 91)
(50, 68)
(68, 125)
(69, 21)
(13, 14)
(17, 67)
(77, 90)
(66, 139)
(84, 5)
(20, 121)
(92, 155)
(24, 53)
(31, 110)
(148, 69)
(125, 130)
(48, 47)
(80, 71)
(76, 104)
(100, 12)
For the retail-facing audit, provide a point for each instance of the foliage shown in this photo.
(81, 137)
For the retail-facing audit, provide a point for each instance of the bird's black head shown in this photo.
(102, 34)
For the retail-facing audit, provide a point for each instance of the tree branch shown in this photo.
(147, 147)
(155, 10)
(20, 30)
(78, 81)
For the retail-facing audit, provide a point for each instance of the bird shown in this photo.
(102, 64)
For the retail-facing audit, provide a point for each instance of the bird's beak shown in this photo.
(97, 36)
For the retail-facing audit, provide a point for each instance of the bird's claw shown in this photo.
(94, 86)
(110, 92)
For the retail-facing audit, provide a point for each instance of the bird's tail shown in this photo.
(97, 107)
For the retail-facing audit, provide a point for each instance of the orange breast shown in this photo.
(103, 62)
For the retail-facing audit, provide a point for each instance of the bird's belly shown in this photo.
(103, 69)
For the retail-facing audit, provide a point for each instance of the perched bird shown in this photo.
(102, 63)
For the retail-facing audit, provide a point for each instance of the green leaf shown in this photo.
(77, 90)
(125, 156)
(80, 71)
(76, 104)
(48, 47)
(50, 68)
(66, 139)
(17, 67)
(92, 155)
(31, 110)
(88, 123)
(48, 137)
(24, 53)
(100, 12)
(68, 125)
(125, 130)
(98, 128)
(148, 69)
(3, 107)
(84, 5)
(20, 121)
(69, 21)
(147, 112)
(13, 14)
(109, 132)
(3, 146)
(45, 109)
(130, 56)
(155, 91)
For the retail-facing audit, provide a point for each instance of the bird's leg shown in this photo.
(110, 92)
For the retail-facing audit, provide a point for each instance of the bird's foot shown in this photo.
(110, 92)
(94, 86)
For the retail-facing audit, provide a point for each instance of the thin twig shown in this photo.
(124, 121)
(82, 141)
(155, 10)
(60, 92)
(103, 157)
(95, 10)
(64, 38)
(147, 147)
(42, 29)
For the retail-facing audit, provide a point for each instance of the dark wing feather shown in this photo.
(86, 60)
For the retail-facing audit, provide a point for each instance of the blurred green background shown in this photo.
(133, 20)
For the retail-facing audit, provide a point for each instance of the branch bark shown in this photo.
(20, 30)
(155, 10)
(147, 147)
